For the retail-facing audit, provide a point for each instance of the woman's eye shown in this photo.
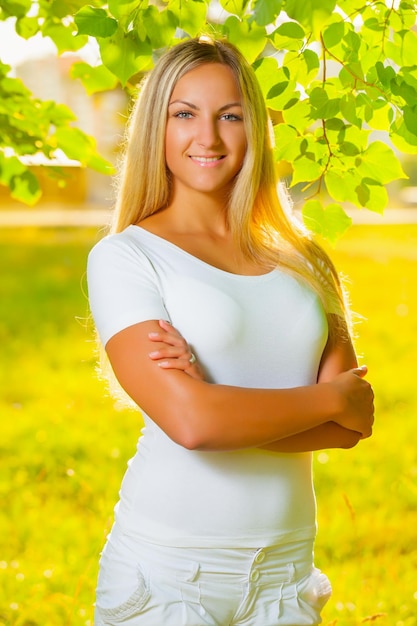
(183, 115)
(231, 117)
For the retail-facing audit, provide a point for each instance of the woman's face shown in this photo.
(205, 140)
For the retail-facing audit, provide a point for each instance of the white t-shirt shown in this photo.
(264, 331)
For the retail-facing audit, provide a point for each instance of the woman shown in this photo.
(216, 518)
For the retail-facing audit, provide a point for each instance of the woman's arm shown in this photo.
(199, 415)
(336, 358)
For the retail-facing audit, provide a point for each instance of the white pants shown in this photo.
(144, 584)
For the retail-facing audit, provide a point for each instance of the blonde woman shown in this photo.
(226, 325)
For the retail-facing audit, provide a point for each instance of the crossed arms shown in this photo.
(151, 362)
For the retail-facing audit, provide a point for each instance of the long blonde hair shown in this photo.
(259, 221)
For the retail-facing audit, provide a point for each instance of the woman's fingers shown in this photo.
(360, 371)
(177, 364)
(357, 401)
(175, 353)
(168, 335)
(172, 352)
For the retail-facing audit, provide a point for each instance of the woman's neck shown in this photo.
(199, 214)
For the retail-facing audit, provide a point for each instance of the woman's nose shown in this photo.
(208, 133)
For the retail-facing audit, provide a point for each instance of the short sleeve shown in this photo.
(123, 286)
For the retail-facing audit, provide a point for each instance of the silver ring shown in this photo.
(192, 359)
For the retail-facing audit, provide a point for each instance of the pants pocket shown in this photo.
(313, 592)
(122, 591)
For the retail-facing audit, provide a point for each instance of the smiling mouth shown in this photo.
(201, 159)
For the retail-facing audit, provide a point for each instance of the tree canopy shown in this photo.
(339, 77)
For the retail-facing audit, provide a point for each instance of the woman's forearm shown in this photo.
(203, 416)
(337, 357)
(233, 417)
(329, 435)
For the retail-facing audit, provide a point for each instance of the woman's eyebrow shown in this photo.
(196, 108)
(230, 105)
(188, 104)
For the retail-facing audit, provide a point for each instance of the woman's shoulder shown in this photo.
(129, 238)
(123, 249)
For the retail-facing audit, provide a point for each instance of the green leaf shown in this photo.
(341, 184)
(25, 188)
(379, 163)
(385, 74)
(57, 114)
(27, 27)
(291, 30)
(10, 167)
(304, 66)
(335, 124)
(380, 117)
(266, 11)
(306, 170)
(81, 147)
(286, 143)
(60, 10)
(352, 134)
(323, 107)
(373, 23)
(237, 7)
(409, 75)
(278, 90)
(268, 74)
(402, 139)
(333, 34)
(318, 97)
(349, 149)
(402, 47)
(372, 195)
(160, 26)
(95, 22)
(348, 110)
(401, 88)
(291, 102)
(63, 36)
(282, 42)
(311, 60)
(4, 69)
(346, 79)
(125, 11)
(354, 42)
(299, 115)
(249, 38)
(310, 13)
(286, 96)
(13, 87)
(408, 47)
(331, 222)
(410, 119)
(125, 55)
(94, 79)
(190, 15)
(16, 8)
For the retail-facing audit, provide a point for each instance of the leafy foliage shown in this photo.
(339, 76)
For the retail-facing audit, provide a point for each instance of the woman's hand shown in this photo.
(176, 353)
(357, 401)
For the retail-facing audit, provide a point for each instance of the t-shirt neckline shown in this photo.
(196, 259)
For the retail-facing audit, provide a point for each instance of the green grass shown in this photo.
(64, 445)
